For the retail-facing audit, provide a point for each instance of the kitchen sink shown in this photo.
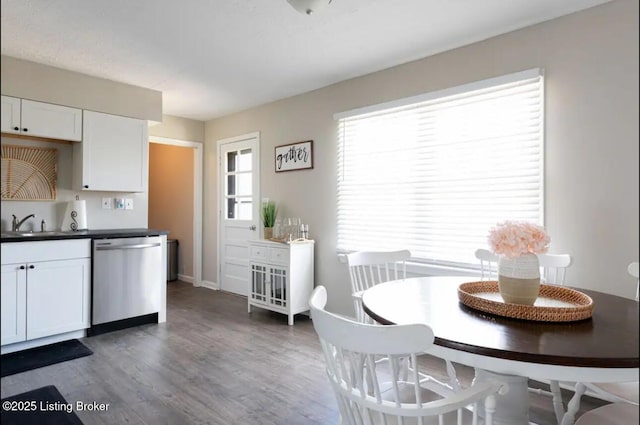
(27, 234)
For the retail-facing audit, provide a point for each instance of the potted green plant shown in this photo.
(268, 213)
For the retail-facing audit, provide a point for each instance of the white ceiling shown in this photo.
(214, 57)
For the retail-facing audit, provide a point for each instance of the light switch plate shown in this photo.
(107, 203)
(119, 203)
(128, 204)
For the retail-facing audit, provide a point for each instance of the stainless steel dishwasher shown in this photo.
(127, 279)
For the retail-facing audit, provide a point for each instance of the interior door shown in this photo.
(239, 195)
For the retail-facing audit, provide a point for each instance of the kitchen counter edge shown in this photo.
(86, 234)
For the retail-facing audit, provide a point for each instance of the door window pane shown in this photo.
(231, 208)
(231, 185)
(244, 208)
(244, 184)
(231, 161)
(245, 159)
(239, 208)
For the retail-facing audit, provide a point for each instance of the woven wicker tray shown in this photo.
(554, 303)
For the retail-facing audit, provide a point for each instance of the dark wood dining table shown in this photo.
(603, 348)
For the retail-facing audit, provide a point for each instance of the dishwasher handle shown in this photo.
(126, 246)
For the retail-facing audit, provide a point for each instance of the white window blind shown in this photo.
(433, 173)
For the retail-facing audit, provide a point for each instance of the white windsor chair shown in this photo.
(369, 394)
(369, 268)
(619, 393)
(554, 267)
(488, 264)
(611, 414)
(634, 271)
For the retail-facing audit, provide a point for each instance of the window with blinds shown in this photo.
(433, 173)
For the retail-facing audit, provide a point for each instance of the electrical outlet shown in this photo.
(119, 203)
(107, 203)
(128, 204)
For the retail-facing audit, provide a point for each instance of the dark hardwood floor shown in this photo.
(211, 363)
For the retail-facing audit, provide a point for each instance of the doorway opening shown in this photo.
(175, 199)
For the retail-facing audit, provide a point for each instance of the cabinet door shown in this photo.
(58, 297)
(13, 297)
(278, 278)
(51, 121)
(10, 115)
(114, 153)
(258, 284)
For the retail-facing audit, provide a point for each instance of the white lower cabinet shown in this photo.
(14, 303)
(45, 289)
(58, 297)
(281, 276)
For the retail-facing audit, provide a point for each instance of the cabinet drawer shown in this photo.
(31, 252)
(258, 253)
(279, 255)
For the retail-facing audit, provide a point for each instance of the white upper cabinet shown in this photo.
(10, 115)
(113, 155)
(38, 119)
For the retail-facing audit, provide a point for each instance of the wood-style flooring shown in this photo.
(210, 363)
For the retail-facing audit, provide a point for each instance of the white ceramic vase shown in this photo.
(519, 279)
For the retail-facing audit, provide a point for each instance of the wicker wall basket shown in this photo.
(554, 304)
(29, 173)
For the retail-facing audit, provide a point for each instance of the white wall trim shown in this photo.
(210, 285)
(197, 198)
(185, 278)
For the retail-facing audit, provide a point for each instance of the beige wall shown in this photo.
(591, 71)
(171, 198)
(30, 80)
(178, 128)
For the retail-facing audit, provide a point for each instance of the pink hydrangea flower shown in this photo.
(514, 238)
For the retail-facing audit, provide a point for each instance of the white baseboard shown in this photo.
(210, 285)
(185, 278)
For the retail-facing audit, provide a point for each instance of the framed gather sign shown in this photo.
(294, 156)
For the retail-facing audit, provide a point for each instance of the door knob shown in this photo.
(252, 227)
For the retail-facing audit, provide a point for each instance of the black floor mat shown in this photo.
(34, 358)
(44, 406)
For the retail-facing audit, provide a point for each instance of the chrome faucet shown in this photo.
(15, 225)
